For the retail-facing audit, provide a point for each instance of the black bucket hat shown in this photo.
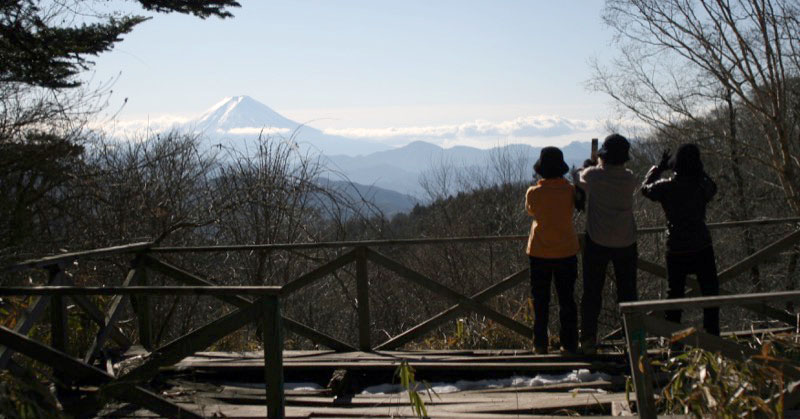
(686, 161)
(615, 149)
(551, 163)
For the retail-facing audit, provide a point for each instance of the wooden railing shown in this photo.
(128, 387)
(639, 323)
(145, 259)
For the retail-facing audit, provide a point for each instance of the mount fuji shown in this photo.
(236, 121)
(240, 118)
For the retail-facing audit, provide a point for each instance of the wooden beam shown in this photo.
(641, 372)
(442, 290)
(728, 224)
(98, 317)
(58, 321)
(59, 341)
(336, 245)
(110, 320)
(67, 258)
(194, 341)
(186, 277)
(652, 268)
(362, 295)
(768, 311)
(273, 357)
(78, 370)
(747, 263)
(663, 328)
(144, 290)
(149, 246)
(430, 324)
(29, 318)
(310, 277)
(709, 301)
(316, 336)
(758, 308)
(142, 305)
(409, 242)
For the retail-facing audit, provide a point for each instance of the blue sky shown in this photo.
(354, 64)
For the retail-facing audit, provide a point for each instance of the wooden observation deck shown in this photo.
(179, 379)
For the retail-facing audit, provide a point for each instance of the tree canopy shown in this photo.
(37, 48)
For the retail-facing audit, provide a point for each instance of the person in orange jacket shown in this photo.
(552, 249)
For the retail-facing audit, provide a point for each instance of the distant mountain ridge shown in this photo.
(400, 169)
(237, 121)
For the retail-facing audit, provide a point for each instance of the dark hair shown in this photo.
(686, 161)
(615, 149)
(550, 163)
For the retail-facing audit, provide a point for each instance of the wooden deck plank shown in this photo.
(214, 394)
(399, 407)
(497, 366)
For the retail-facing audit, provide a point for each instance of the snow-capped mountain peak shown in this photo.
(238, 119)
(237, 112)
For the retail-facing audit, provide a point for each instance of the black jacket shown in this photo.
(684, 200)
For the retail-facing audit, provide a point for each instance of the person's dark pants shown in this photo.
(595, 261)
(702, 264)
(563, 272)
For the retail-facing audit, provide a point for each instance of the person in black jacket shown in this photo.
(689, 249)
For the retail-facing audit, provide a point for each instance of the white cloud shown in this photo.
(534, 130)
(137, 127)
(256, 131)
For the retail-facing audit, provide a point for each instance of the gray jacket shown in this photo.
(609, 210)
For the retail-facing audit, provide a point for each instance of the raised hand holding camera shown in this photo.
(664, 163)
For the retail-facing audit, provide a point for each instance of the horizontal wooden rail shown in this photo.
(140, 290)
(711, 301)
(132, 393)
(435, 240)
(266, 309)
(638, 324)
(324, 245)
(729, 224)
(65, 258)
(148, 246)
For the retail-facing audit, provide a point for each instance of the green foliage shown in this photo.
(406, 374)
(24, 397)
(199, 8)
(38, 52)
(706, 384)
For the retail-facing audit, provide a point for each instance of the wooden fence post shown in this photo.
(58, 330)
(635, 334)
(273, 356)
(144, 307)
(362, 294)
(32, 315)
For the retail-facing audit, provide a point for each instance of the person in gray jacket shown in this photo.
(684, 198)
(610, 232)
